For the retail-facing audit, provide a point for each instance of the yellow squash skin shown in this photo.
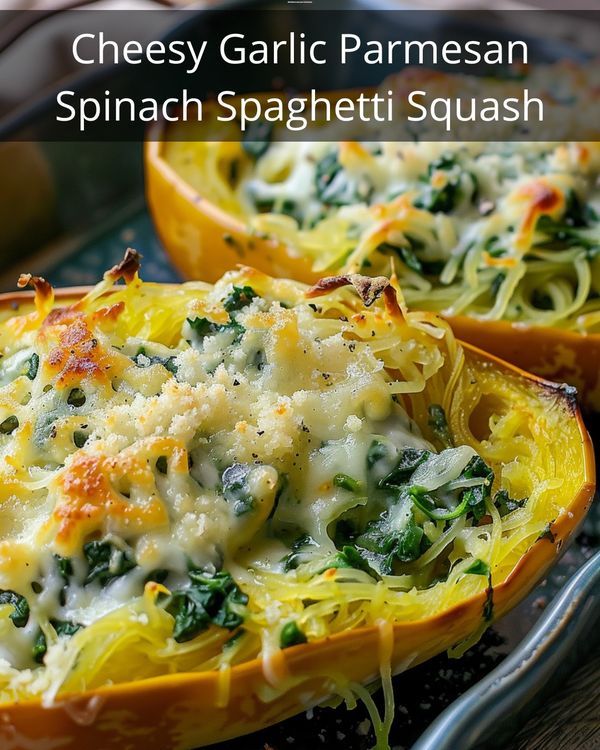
(182, 711)
(204, 242)
(564, 356)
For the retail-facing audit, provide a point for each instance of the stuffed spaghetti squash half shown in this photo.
(224, 504)
(496, 236)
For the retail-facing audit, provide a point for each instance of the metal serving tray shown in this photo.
(88, 206)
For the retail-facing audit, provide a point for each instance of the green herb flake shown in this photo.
(33, 365)
(346, 483)
(9, 425)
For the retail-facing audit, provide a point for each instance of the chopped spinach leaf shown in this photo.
(389, 544)
(76, 398)
(408, 461)
(65, 567)
(578, 213)
(257, 138)
(159, 575)
(238, 298)
(477, 467)
(65, 570)
(20, 613)
(207, 600)
(475, 498)
(506, 504)
(426, 504)
(298, 555)
(567, 231)
(345, 533)
(142, 360)
(62, 628)
(377, 452)
(492, 247)
(439, 200)
(39, 648)
(80, 438)
(33, 365)
(350, 557)
(407, 255)
(497, 282)
(234, 639)
(106, 562)
(334, 187)
(236, 490)
(433, 267)
(291, 208)
(478, 568)
(439, 425)
(9, 425)
(203, 327)
(444, 163)
(291, 635)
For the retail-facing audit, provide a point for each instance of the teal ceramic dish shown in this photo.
(487, 714)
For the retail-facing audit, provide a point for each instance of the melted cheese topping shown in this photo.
(158, 442)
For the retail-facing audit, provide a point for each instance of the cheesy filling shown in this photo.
(193, 476)
(501, 230)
